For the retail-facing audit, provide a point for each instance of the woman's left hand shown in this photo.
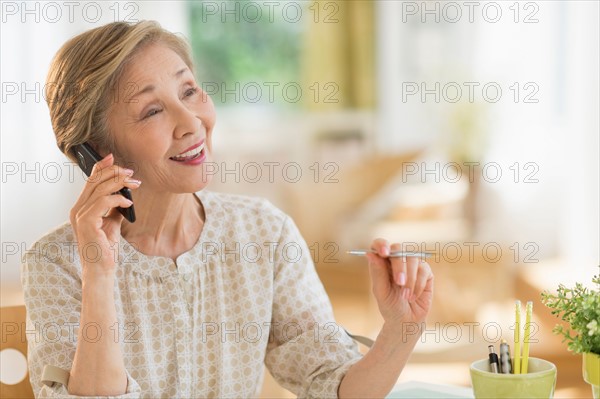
(402, 286)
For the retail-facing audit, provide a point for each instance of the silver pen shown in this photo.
(505, 365)
(493, 359)
(393, 254)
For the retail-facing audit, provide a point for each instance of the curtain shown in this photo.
(338, 55)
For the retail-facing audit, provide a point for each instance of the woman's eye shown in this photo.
(190, 92)
(152, 112)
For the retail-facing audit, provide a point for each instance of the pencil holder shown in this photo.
(538, 383)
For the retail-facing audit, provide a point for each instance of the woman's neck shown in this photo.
(166, 224)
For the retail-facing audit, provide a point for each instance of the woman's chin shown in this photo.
(201, 183)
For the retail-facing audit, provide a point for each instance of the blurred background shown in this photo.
(468, 129)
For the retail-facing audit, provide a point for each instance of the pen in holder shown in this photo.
(538, 383)
(527, 378)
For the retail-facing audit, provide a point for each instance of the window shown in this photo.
(247, 52)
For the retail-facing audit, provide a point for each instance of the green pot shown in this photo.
(539, 383)
(591, 372)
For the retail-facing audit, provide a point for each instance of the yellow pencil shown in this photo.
(517, 361)
(526, 337)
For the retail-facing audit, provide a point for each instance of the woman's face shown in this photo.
(160, 119)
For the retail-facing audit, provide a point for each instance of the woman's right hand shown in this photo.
(96, 231)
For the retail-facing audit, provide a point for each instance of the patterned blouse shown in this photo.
(245, 295)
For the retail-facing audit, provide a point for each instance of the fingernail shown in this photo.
(128, 171)
(386, 251)
(134, 181)
(109, 156)
(401, 278)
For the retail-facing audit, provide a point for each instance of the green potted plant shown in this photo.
(580, 308)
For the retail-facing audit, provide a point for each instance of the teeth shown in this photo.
(190, 153)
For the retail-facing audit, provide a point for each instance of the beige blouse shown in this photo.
(245, 295)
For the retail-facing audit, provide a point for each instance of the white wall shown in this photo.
(559, 133)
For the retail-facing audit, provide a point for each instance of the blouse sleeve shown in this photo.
(52, 290)
(308, 353)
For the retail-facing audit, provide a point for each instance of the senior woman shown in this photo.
(170, 306)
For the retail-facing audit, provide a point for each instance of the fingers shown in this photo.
(399, 267)
(380, 275)
(381, 247)
(107, 178)
(410, 274)
(378, 265)
(96, 197)
(122, 178)
(90, 216)
(96, 175)
(104, 206)
(424, 280)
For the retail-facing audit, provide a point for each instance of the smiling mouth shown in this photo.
(189, 155)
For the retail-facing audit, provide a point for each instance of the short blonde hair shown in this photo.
(84, 74)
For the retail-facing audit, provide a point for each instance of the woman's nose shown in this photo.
(186, 121)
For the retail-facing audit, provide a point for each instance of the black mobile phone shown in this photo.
(86, 158)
